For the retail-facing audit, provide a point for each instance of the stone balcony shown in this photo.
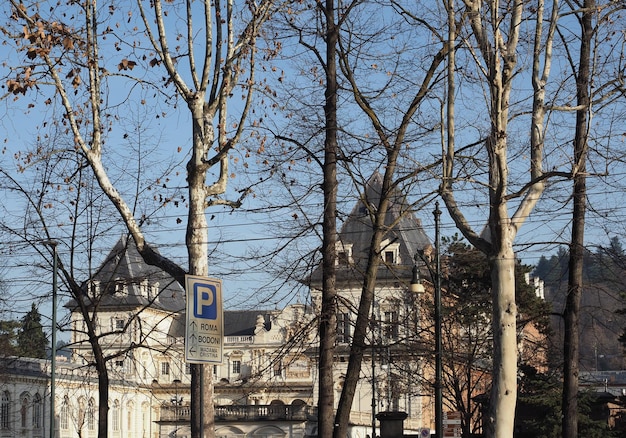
(182, 414)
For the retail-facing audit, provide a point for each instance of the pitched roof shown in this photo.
(244, 322)
(405, 229)
(126, 281)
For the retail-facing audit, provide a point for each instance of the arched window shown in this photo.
(64, 414)
(24, 410)
(37, 405)
(91, 415)
(145, 418)
(268, 432)
(5, 410)
(115, 416)
(130, 409)
(228, 432)
(80, 423)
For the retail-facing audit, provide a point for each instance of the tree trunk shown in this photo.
(501, 416)
(575, 276)
(196, 241)
(362, 325)
(358, 345)
(328, 317)
(103, 385)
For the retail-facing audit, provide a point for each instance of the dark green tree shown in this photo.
(8, 337)
(539, 404)
(31, 339)
(553, 269)
(539, 408)
(467, 329)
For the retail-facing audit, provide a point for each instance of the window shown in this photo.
(278, 368)
(94, 287)
(391, 325)
(37, 404)
(5, 410)
(165, 368)
(394, 394)
(80, 420)
(145, 418)
(120, 288)
(389, 257)
(135, 328)
(343, 328)
(130, 407)
(91, 415)
(115, 416)
(268, 432)
(154, 290)
(119, 324)
(24, 411)
(236, 366)
(119, 364)
(64, 415)
(390, 252)
(344, 254)
(342, 258)
(143, 286)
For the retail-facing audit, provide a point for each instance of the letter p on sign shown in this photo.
(205, 303)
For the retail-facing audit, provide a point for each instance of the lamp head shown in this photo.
(416, 284)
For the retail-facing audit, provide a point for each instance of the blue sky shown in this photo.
(155, 132)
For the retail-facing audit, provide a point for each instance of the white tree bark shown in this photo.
(497, 60)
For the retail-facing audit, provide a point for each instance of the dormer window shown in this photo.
(144, 287)
(120, 288)
(94, 288)
(153, 291)
(390, 252)
(344, 254)
(390, 258)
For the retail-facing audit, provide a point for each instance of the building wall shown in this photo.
(25, 405)
(273, 365)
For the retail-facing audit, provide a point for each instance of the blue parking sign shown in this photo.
(204, 301)
(204, 325)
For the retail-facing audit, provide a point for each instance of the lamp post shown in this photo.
(438, 348)
(417, 287)
(373, 369)
(53, 244)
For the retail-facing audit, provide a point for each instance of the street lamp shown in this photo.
(417, 287)
(373, 326)
(438, 348)
(53, 244)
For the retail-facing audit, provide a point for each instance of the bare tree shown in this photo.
(495, 31)
(360, 152)
(219, 59)
(42, 208)
(392, 139)
(328, 316)
(571, 312)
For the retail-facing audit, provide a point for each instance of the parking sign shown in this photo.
(204, 328)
